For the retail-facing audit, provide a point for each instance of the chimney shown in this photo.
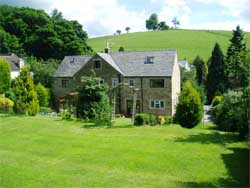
(107, 50)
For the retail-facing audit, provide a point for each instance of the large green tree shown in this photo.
(39, 34)
(237, 68)
(152, 22)
(189, 109)
(4, 76)
(201, 70)
(216, 76)
(26, 101)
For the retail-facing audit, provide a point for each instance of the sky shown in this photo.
(104, 17)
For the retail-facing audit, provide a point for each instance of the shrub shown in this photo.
(6, 105)
(45, 110)
(145, 119)
(189, 109)
(26, 101)
(216, 100)
(233, 112)
(4, 76)
(42, 95)
(165, 120)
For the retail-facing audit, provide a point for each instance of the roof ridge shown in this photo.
(160, 50)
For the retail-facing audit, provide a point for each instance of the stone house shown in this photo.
(15, 63)
(155, 74)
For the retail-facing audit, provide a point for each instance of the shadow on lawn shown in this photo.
(236, 162)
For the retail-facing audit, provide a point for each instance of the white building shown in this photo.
(184, 64)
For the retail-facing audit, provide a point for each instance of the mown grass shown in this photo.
(49, 152)
(188, 43)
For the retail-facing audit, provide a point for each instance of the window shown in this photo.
(157, 83)
(157, 104)
(149, 60)
(97, 64)
(100, 81)
(131, 83)
(65, 83)
(114, 82)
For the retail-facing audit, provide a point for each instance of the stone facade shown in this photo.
(155, 100)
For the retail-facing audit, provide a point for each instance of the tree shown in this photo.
(121, 49)
(127, 29)
(201, 70)
(189, 109)
(237, 68)
(118, 32)
(176, 22)
(216, 76)
(93, 101)
(163, 26)
(42, 95)
(152, 22)
(26, 101)
(56, 14)
(4, 76)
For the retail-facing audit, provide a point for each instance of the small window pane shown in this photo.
(131, 82)
(65, 83)
(114, 82)
(162, 104)
(152, 104)
(97, 64)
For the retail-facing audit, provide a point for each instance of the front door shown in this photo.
(130, 107)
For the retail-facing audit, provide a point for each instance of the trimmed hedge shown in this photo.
(145, 119)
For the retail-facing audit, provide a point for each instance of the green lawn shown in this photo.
(189, 43)
(40, 152)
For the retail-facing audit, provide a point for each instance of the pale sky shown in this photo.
(104, 17)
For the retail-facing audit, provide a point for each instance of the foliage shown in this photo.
(233, 112)
(93, 101)
(216, 100)
(4, 76)
(6, 105)
(45, 110)
(237, 68)
(43, 71)
(215, 78)
(9, 43)
(26, 101)
(152, 22)
(189, 109)
(42, 95)
(127, 29)
(145, 119)
(186, 42)
(163, 26)
(201, 70)
(40, 35)
(176, 22)
(165, 120)
(118, 32)
(121, 49)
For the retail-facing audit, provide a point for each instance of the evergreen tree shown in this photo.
(26, 101)
(189, 108)
(237, 68)
(93, 101)
(215, 77)
(152, 22)
(201, 70)
(42, 95)
(4, 76)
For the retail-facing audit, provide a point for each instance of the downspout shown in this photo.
(142, 97)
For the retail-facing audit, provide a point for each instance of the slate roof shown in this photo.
(129, 64)
(13, 61)
(71, 65)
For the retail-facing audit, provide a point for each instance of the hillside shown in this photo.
(188, 43)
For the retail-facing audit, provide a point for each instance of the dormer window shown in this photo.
(149, 60)
(97, 64)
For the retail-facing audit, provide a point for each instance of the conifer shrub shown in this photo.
(42, 95)
(145, 119)
(189, 110)
(6, 105)
(4, 76)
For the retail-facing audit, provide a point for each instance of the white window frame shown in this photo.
(100, 81)
(157, 104)
(115, 82)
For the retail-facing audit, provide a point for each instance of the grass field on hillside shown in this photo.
(39, 152)
(189, 43)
